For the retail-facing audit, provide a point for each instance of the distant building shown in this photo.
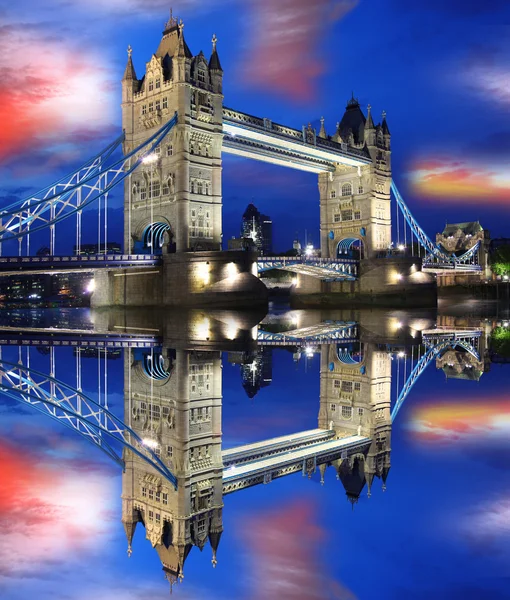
(258, 373)
(259, 228)
(241, 243)
(90, 249)
(37, 288)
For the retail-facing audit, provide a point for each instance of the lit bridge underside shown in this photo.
(11, 265)
(327, 269)
(304, 459)
(261, 139)
(324, 333)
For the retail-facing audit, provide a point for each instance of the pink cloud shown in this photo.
(283, 54)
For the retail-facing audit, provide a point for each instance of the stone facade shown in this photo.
(180, 417)
(180, 186)
(355, 399)
(355, 201)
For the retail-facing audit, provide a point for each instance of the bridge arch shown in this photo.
(153, 236)
(352, 247)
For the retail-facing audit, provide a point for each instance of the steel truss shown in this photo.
(435, 346)
(73, 193)
(79, 412)
(435, 257)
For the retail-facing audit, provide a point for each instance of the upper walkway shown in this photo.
(261, 139)
(266, 448)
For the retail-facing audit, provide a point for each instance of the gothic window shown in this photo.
(360, 189)
(144, 492)
(158, 518)
(154, 412)
(201, 75)
(346, 386)
(165, 499)
(157, 452)
(201, 526)
(333, 194)
(143, 193)
(165, 189)
(357, 386)
(157, 150)
(192, 191)
(337, 218)
(158, 105)
(154, 190)
(207, 150)
(333, 407)
(151, 494)
(199, 187)
(347, 215)
(144, 109)
(347, 412)
(206, 189)
(151, 106)
(336, 383)
(357, 215)
(165, 102)
(158, 83)
(360, 412)
(151, 85)
(151, 515)
(192, 147)
(169, 150)
(346, 189)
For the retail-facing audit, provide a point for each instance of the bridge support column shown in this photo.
(219, 279)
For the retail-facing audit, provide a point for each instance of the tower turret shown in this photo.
(216, 72)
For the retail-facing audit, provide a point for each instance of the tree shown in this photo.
(500, 260)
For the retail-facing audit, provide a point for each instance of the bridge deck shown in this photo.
(76, 338)
(250, 469)
(250, 452)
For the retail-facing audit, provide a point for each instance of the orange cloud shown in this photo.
(460, 180)
(462, 422)
(285, 547)
(283, 55)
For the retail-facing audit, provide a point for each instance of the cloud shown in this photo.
(47, 511)
(451, 422)
(464, 180)
(285, 546)
(48, 94)
(283, 54)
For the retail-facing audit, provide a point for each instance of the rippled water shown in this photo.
(391, 480)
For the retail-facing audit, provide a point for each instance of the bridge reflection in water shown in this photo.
(175, 471)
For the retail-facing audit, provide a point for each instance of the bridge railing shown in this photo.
(91, 258)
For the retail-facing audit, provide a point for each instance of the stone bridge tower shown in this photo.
(355, 396)
(173, 402)
(173, 201)
(355, 201)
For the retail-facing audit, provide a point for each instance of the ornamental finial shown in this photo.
(214, 41)
(181, 25)
(172, 21)
(129, 51)
(383, 114)
(129, 551)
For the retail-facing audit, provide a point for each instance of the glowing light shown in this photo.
(401, 354)
(232, 270)
(231, 330)
(150, 158)
(204, 329)
(309, 351)
(150, 443)
(401, 247)
(309, 250)
(505, 277)
(203, 273)
(294, 281)
(398, 276)
(91, 286)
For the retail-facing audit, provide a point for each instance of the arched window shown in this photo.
(346, 189)
(201, 75)
(169, 150)
(199, 188)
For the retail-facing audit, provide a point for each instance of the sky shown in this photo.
(441, 529)
(438, 68)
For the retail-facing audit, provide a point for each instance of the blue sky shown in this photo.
(439, 69)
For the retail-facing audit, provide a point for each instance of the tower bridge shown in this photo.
(175, 131)
(170, 436)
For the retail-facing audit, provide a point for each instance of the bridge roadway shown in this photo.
(327, 269)
(266, 448)
(9, 265)
(303, 459)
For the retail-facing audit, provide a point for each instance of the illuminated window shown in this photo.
(346, 189)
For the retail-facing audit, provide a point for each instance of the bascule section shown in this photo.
(355, 388)
(173, 401)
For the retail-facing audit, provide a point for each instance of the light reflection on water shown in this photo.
(292, 477)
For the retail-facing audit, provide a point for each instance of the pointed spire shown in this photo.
(129, 73)
(370, 122)
(385, 127)
(322, 132)
(214, 61)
